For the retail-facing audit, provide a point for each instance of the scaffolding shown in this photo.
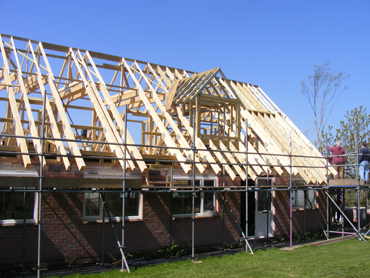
(194, 121)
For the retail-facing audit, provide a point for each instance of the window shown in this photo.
(264, 200)
(93, 205)
(17, 206)
(204, 201)
(264, 197)
(302, 196)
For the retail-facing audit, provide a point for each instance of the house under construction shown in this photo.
(186, 158)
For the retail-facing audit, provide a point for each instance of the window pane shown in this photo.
(182, 203)
(12, 205)
(132, 203)
(311, 198)
(264, 200)
(114, 202)
(300, 198)
(208, 201)
(209, 183)
(185, 183)
(92, 204)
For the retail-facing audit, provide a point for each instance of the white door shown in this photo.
(264, 214)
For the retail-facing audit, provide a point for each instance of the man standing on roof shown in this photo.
(363, 161)
(338, 161)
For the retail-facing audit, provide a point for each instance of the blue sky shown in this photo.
(273, 44)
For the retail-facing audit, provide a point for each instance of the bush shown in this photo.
(162, 253)
(309, 235)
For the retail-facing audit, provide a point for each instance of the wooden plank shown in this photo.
(49, 110)
(276, 129)
(242, 158)
(31, 122)
(179, 136)
(98, 154)
(53, 123)
(10, 148)
(253, 156)
(222, 160)
(170, 94)
(15, 113)
(165, 134)
(11, 78)
(280, 132)
(68, 133)
(107, 126)
(229, 156)
(271, 144)
(132, 150)
(345, 182)
(198, 142)
(308, 146)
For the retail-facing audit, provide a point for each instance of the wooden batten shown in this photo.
(182, 109)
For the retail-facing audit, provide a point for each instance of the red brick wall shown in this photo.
(300, 222)
(65, 238)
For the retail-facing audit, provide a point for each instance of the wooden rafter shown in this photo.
(178, 105)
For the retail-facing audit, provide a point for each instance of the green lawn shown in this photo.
(349, 258)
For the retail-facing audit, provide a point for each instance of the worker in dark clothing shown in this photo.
(363, 162)
(338, 161)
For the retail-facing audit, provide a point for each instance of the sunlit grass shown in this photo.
(350, 258)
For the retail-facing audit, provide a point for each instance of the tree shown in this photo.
(322, 91)
(356, 121)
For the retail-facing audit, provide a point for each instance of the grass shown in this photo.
(344, 259)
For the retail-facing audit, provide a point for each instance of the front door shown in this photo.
(264, 214)
(260, 216)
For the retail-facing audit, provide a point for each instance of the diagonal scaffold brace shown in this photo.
(237, 223)
(344, 215)
(115, 234)
(318, 219)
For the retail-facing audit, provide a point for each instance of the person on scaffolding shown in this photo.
(363, 162)
(338, 158)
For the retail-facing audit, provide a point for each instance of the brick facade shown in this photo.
(66, 238)
(302, 220)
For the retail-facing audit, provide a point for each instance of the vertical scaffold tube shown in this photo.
(223, 209)
(193, 195)
(290, 191)
(358, 185)
(171, 208)
(246, 182)
(39, 195)
(124, 192)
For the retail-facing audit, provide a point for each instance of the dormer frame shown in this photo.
(216, 112)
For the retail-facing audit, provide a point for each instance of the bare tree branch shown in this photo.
(322, 92)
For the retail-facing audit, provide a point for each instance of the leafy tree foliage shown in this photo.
(322, 91)
(357, 121)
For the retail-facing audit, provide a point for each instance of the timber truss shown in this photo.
(95, 105)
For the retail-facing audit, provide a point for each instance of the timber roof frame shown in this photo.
(109, 89)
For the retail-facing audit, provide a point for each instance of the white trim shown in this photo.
(201, 180)
(18, 173)
(99, 217)
(12, 222)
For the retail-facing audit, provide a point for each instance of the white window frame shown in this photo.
(201, 180)
(11, 222)
(114, 218)
(299, 196)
